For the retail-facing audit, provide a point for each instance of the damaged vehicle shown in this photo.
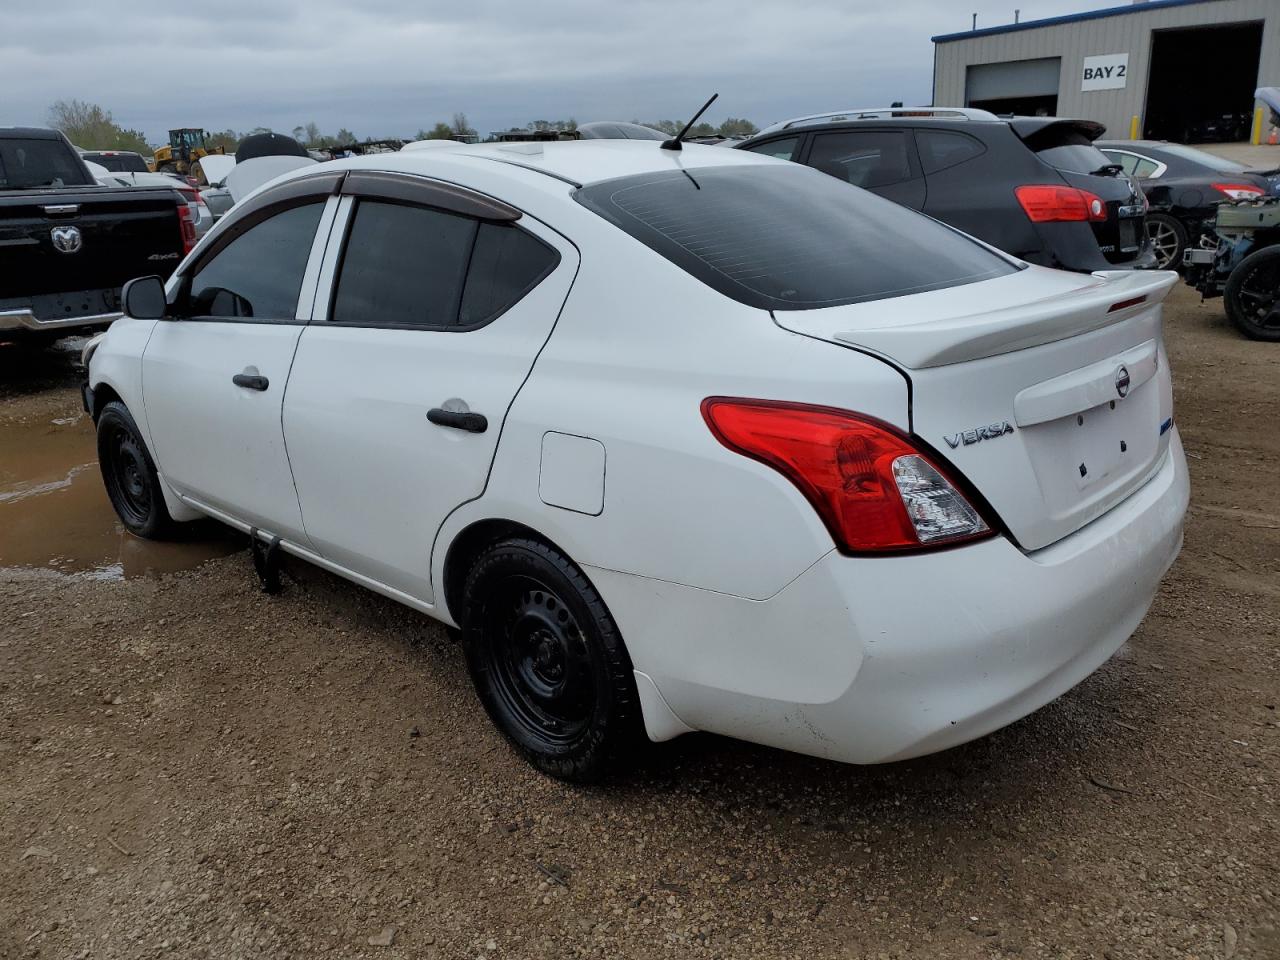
(259, 158)
(843, 481)
(1244, 266)
(1183, 187)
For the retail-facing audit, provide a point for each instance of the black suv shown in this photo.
(1035, 187)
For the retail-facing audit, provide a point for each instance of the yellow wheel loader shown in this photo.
(186, 146)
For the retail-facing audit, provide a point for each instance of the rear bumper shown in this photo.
(869, 660)
(24, 319)
(1074, 246)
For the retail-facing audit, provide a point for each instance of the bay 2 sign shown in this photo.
(1107, 72)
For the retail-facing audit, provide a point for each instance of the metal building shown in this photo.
(1179, 70)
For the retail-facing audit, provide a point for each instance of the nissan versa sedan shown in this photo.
(679, 439)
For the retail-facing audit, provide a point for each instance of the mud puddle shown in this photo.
(55, 515)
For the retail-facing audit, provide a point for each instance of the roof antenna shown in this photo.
(674, 143)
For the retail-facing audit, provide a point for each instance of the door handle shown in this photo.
(251, 381)
(471, 422)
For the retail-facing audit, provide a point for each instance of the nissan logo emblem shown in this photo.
(1122, 381)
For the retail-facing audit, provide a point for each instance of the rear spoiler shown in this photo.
(1118, 295)
(1028, 128)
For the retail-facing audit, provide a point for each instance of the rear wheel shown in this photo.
(548, 662)
(133, 486)
(1168, 240)
(1252, 295)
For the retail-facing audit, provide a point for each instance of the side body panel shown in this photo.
(374, 476)
(631, 372)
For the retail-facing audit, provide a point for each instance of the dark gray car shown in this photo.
(1035, 187)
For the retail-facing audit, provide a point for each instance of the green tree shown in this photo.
(738, 127)
(228, 139)
(460, 126)
(344, 137)
(671, 127)
(441, 131)
(87, 125)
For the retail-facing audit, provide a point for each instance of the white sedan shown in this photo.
(681, 440)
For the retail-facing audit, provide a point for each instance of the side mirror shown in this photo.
(143, 298)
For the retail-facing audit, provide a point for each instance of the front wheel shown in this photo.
(1252, 295)
(133, 486)
(548, 662)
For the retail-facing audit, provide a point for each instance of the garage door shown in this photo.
(1020, 78)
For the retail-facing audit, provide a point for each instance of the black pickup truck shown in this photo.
(68, 244)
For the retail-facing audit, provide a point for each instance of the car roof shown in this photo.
(30, 133)
(579, 162)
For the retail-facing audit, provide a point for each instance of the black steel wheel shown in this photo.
(130, 475)
(1252, 295)
(547, 661)
(1168, 240)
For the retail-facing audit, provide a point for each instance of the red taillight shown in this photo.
(187, 227)
(1239, 191)
(875, 491)
(1049, 204)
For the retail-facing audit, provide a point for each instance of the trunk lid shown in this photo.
(1048, 391)
(122, 233)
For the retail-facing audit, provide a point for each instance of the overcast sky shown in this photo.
(389, 67)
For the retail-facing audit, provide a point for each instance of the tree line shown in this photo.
(89, 126)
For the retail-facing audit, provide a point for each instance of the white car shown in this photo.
(693, 440)
(201, 217)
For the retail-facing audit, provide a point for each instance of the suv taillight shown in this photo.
(1050, 204)
(875, 490)
(1239, 191)
(187, 227)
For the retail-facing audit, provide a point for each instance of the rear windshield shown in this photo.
(1069, 150)
(787, 237)
(28, 164)
(119, 162)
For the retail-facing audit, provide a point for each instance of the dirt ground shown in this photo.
(193, 769)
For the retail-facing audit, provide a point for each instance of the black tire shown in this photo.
(1252, 295)
(1168, 240)
(548, 662)
(130, 475)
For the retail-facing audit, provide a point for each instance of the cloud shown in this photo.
(389, 67)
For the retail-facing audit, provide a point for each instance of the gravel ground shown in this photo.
(193, 769)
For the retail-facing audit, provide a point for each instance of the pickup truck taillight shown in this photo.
(187, 227)
(1050, 204)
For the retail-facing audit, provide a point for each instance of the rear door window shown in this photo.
(413, 266)
(784, 149)
(1128, 162)
(403, 266)
(940, 149)
(864, 158)
(783, 237)
(507, 263)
